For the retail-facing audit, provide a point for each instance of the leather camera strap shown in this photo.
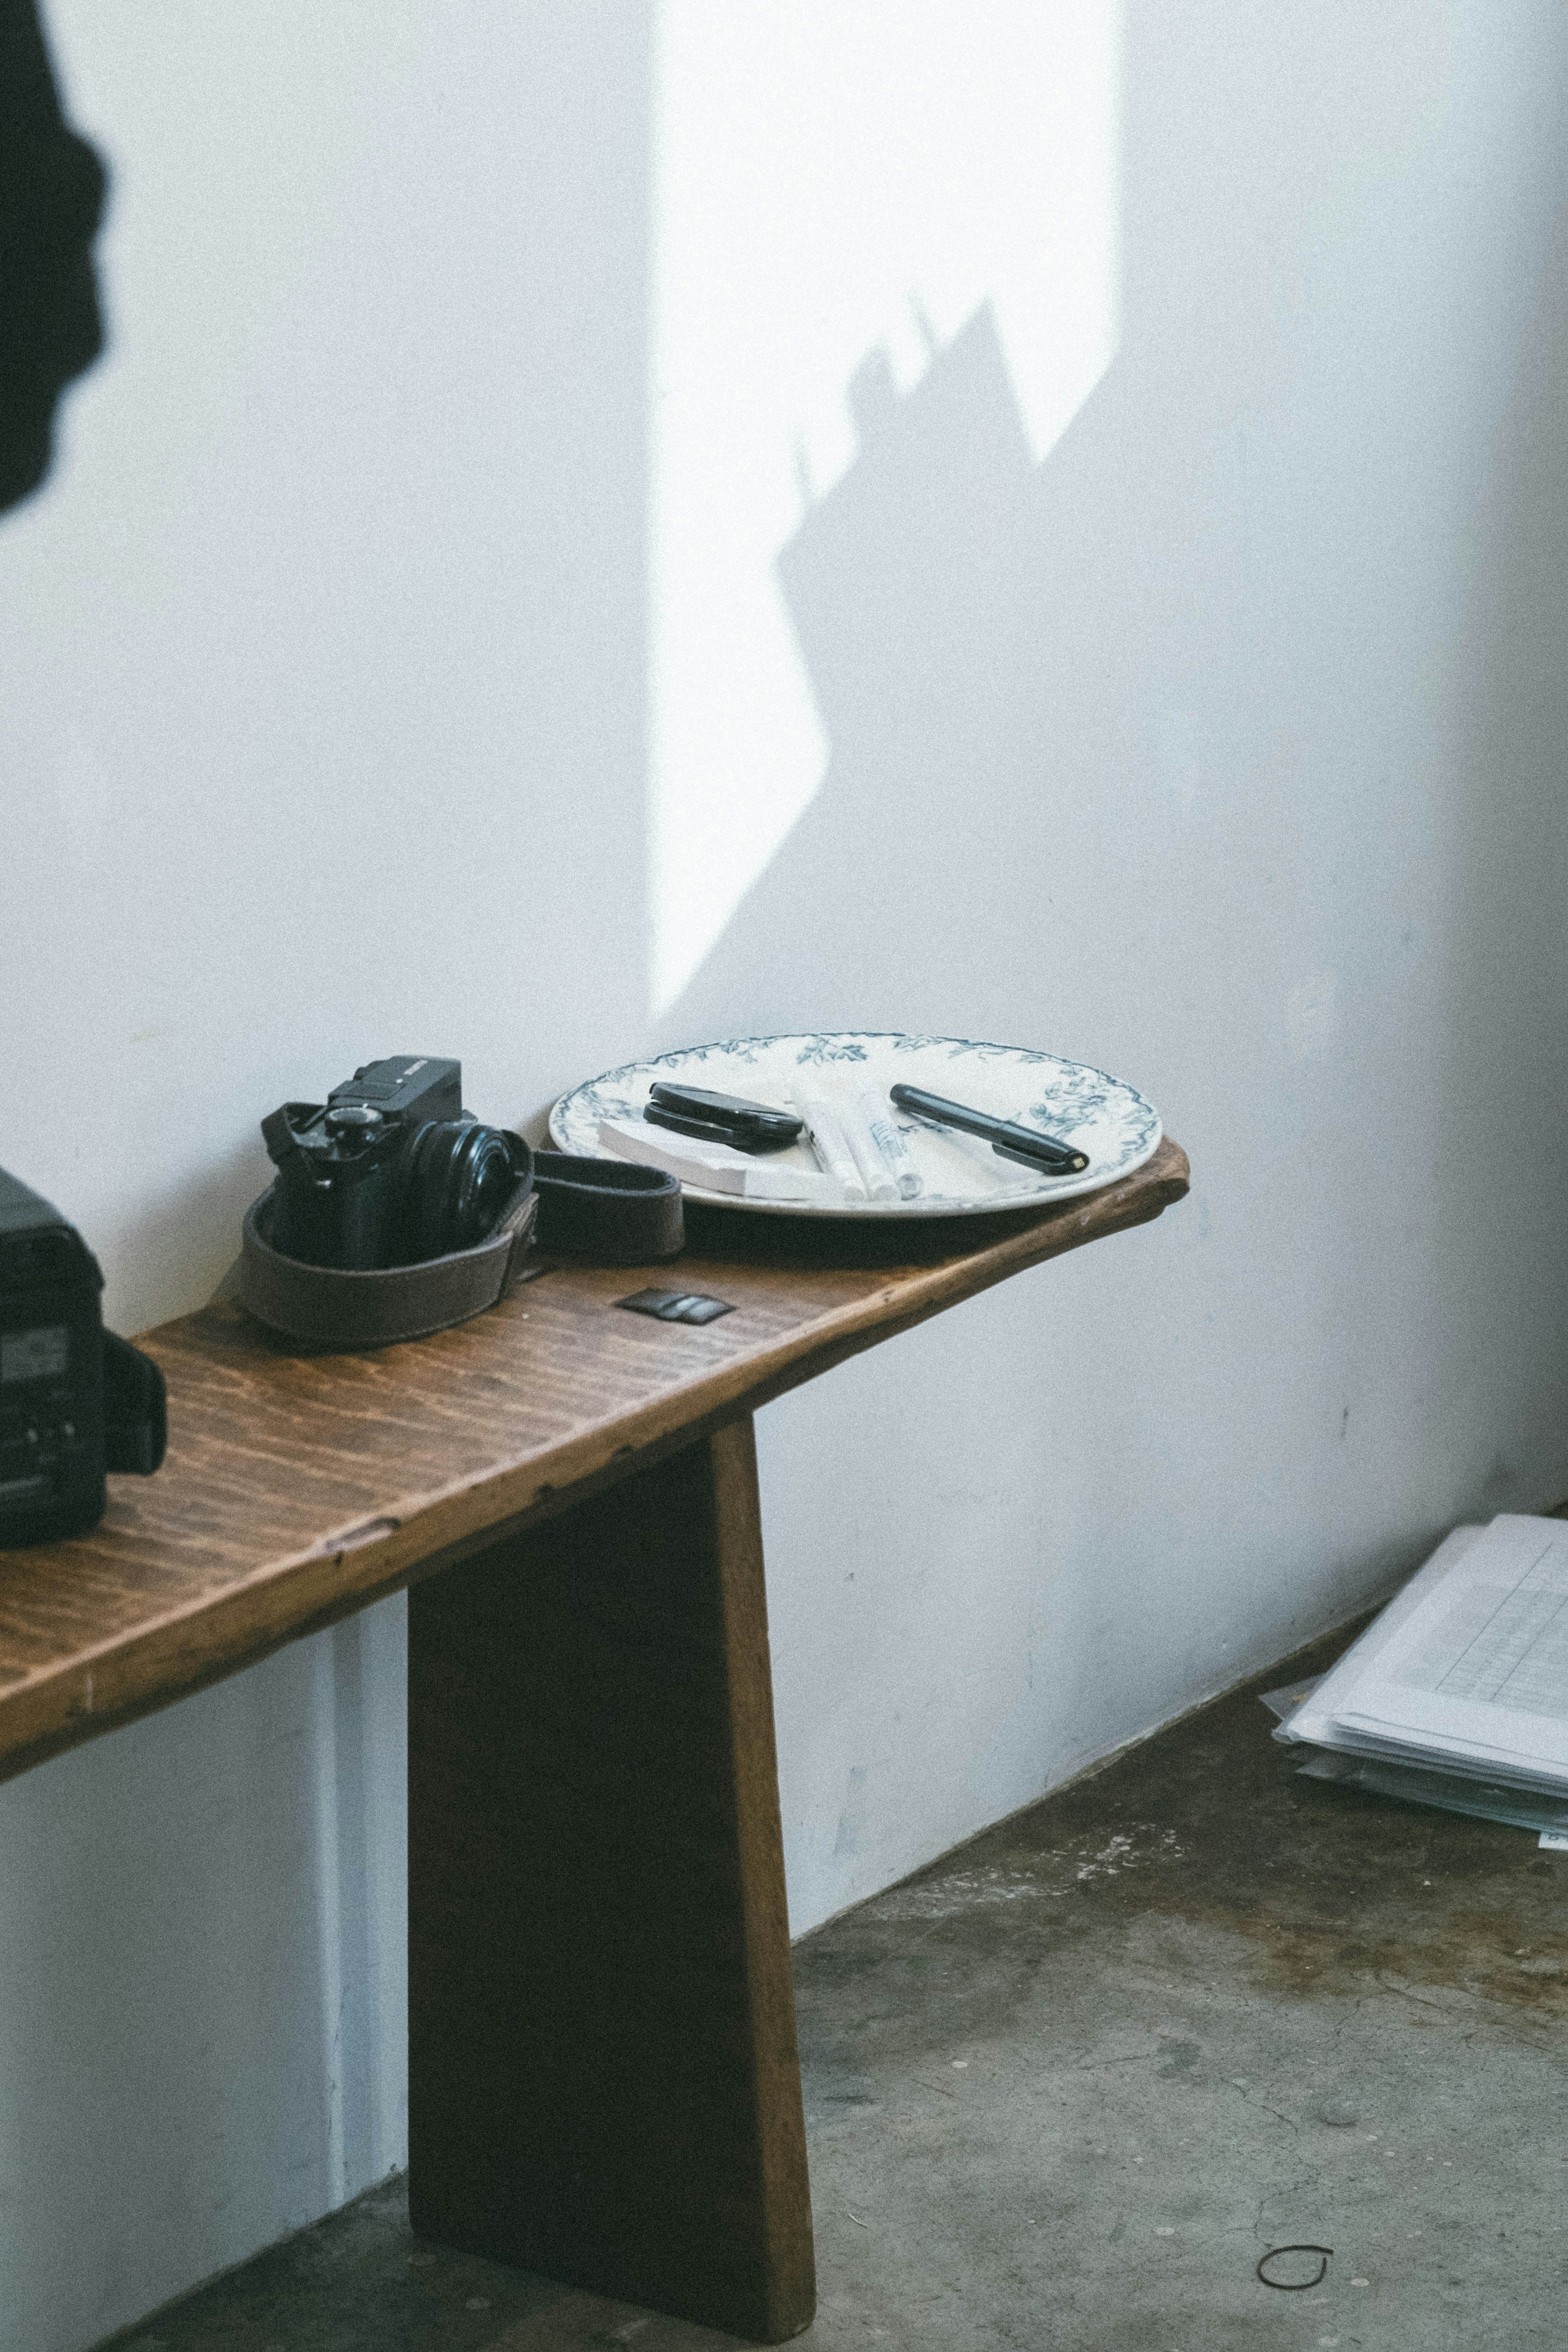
(610, 1210)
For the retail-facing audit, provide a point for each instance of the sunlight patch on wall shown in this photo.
(836, 190)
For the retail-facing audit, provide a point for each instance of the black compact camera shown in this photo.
(389, 1170)
(75, 1401)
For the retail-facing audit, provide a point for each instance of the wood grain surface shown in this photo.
(298, 1486)
(603, 2079)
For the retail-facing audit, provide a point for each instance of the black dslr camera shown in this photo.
(389, 1170)
(75, 1401)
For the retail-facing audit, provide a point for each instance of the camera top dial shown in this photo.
(352, 1122)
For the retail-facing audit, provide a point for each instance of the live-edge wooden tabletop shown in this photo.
(299, 1486)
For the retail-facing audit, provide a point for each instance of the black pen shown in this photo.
(1010, 1141)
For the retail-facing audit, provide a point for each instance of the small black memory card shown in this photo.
(675, 1306)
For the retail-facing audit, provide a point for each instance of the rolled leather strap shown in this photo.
(613, 1210)
(625, 1215)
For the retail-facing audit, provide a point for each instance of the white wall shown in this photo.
(1213, 737)
(323, 701)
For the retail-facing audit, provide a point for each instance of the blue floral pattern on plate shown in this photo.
(1100, 1115)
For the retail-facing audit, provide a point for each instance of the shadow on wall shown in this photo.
(1221, 749)
(908, 589)
(1501, 1060)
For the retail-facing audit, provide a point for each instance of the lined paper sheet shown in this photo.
(1314, 1720)
(1476, 1670)
(1505, 1646)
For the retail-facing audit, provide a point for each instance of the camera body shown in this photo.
(389, 1170)
(74, 1400)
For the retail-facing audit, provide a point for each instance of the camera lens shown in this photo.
(460, 1175)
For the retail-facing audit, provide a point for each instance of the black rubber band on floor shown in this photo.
(1296, 2287)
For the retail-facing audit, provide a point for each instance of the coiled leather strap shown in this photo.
(609, 1210)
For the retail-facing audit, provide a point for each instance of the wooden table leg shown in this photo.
(603, 2078)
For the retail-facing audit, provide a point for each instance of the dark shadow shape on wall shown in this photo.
(52, 188)
(902, 583)
(912, 589)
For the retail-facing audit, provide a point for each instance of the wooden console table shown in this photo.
(603, 2076)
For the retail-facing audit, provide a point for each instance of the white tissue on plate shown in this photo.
(714, 1167)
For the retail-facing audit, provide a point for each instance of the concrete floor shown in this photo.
(1068, 2085)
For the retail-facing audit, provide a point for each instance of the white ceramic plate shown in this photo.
(1113, 1124)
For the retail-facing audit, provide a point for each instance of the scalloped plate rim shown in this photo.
(947, 1206)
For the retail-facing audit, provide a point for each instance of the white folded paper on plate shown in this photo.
(829, 1139)
(714, 1167)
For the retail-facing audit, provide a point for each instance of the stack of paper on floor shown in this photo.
(1457, 1695)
